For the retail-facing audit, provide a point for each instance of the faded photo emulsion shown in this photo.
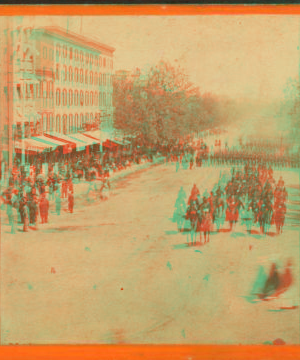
(149, 179)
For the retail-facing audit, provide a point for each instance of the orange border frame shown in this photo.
(135, 352)
(159, 10)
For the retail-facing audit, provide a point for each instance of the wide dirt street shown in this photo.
(117, 271)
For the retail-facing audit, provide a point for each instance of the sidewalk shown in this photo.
(80, 193)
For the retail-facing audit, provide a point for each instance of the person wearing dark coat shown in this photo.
(33, 211)
(25, 216)
(21, 209)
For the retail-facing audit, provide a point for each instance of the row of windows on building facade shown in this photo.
(65, 53)
(69, 75)
(81, 76)
(62, 124)
(64, 97)
(79, 98)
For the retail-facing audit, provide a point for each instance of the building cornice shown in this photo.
(75, 39)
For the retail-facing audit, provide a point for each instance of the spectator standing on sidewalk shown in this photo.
(191, 162)
(25, 216)
(58, 204)
(51, 190)
(64, 189)
(21, 208)
(71, 201)
(9, 212)
(58, 188)
(33, 210)
(70, 185)
(14, 219)
(44, 208)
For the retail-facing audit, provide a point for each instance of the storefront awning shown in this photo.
(31, 146)
(121, 141)
(60, 137)
(112, 144)
(107, 135)
(95, 135)
(69, 144)
(117, 142)
(53, 144)
(85, 140)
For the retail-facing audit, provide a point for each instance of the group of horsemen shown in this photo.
(251, 194)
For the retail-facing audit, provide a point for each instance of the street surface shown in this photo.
(117, 271)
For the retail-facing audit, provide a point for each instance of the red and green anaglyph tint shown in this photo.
(150, 180)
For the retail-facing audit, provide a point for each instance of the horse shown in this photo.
(279, 217)
(218, 213)
(179, 215)
(192, 215)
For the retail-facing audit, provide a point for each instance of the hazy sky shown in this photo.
(236, 56)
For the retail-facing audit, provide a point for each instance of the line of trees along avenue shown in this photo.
(162, 105)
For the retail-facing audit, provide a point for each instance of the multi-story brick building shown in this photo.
(62, 90)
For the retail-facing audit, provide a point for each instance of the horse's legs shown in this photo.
(195, 232)
(181, 225)
(178, 226)
(192, 235)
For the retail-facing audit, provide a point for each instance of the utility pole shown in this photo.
(9, 59)
(3, 86)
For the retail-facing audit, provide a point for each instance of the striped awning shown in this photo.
(51, 142)
(31, 145)
(109, 144)
(95, 135)
(69, 144)
(121, 141)
(118, 142)
(85, 140)
(60, 137)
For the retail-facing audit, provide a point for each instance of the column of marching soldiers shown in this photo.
(250, 195)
